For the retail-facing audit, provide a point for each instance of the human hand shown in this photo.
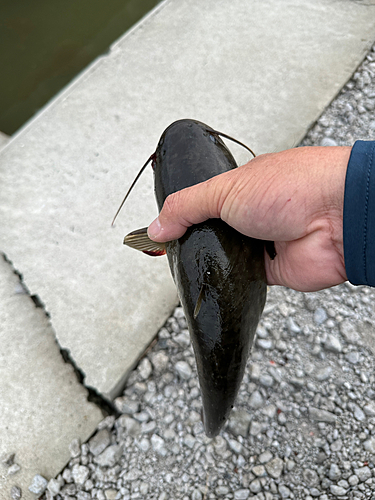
(294, 198)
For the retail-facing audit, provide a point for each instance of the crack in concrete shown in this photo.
(105, 405)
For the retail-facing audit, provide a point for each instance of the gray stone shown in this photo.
(144, 444)
(132, 475)
(297, 382)
(292, 325)
(333, 344)
(189, 441)
(261, 332)
(327, 141)
(239, 422)
(353, 357)
(322, 415)
(80, 474)
(338, 491)
(284, 491)
(358, 413)
(68, 490)
(132, 427)
(265, 343)
(275, 467)
(148, 427)
(13, 469)
(38, 485)
(99, 442)
(369, 445)
(311, 477)
(290, 464)
(83, 495)
(281, 345)
(323, 373)
(314, 492)
(320, 315)
(269, 411)
(276, 373)
(265, 457)
(159, 361)
(110, 494)
(242, 494)
(336, 445)
(259, 471)
(15, 493)
(235, 446)
(256, 400)
(197, 495)
(254, 372)
(369, 409)
(281, 418)
(255, 428)
(222, 491)
(349, 332)
(126, 405)
(255, 486)
(158, 444)
(54, 486)
(183, 369)
(334, 472)
(75, 448)
(183, 339)
(266, 380)
(145, 368)
(353, 480)
(144, 487)
(363, 473)
(110, 456)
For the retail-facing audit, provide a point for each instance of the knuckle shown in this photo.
(171, 204)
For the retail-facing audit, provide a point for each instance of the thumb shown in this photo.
(184, 208)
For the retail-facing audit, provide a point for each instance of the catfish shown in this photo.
(219, 273)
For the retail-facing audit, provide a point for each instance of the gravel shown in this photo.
(303, 426)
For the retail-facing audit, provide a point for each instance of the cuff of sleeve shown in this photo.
(359, 215)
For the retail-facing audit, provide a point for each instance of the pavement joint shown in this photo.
(93, 396)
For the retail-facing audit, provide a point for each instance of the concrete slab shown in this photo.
(261, 71)
(43, 407)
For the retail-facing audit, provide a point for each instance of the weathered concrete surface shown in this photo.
(261, 71)
(42, 405)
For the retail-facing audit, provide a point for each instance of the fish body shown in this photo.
(219, 273)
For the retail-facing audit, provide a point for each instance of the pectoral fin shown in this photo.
(200, 298)
(140, 241)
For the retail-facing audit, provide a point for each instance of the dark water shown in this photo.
(45, 43)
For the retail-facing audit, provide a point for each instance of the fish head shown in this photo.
(188, 152)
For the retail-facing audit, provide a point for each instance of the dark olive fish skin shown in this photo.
(214, 262)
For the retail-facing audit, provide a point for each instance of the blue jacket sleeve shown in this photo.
(359, 215)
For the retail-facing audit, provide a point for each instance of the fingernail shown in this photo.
(154, 228)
